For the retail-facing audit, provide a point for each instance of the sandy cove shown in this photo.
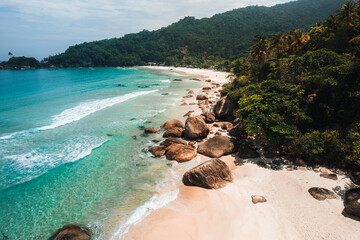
(228, 213)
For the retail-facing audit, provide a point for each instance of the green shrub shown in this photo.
(320, 147)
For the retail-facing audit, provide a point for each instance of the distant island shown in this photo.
(16, 63)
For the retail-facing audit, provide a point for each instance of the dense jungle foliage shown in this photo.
(301, 90)
(198, 42)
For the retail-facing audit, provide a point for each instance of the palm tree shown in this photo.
(298, 40)
(347, 13)
(276, 44)
(260, 48)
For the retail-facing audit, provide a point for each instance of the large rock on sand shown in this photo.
(224, 109)
(71, 232)
(258, 199)
(195, 128)
(322, 193)
(238, 131)
(211, 174)
(216, 147)
(172, 124)
(172, 140)
(158, 151)
(180, 152)
(173, 132)
(352, 202)
(209, 117)
(201, 97)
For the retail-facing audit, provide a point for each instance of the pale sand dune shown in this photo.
(229, 214)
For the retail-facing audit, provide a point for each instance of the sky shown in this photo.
(39, 28)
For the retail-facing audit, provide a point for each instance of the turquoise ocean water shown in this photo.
(57, 163)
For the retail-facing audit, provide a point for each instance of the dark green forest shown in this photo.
(198, 42)
(300, 91)
(20, 62)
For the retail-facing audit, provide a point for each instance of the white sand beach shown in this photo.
(228, 213)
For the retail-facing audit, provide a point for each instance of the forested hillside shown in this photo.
(198, 42)
(301, 91)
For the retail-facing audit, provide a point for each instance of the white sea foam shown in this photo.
(37, 162)
(12, 135)
(165, 81)
(156, 202)
(80, 111)
(87, 108)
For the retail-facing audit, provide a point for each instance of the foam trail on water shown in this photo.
(80, 111)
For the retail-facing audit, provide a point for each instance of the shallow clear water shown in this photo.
(57, 163)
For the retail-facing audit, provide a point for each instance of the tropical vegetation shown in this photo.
(300, 91)
(198, 42)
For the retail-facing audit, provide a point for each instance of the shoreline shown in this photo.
(289, 213)
(166, 189)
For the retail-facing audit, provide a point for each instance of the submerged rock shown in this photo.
(212, 174)
(71, 232)
(352, 202)
(216, 147)
(195, 128)
(322, 193)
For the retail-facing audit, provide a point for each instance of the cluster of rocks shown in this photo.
(351, 196)
(214, 133)
(198, 128)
